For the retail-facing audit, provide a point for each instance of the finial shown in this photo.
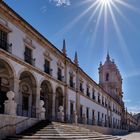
(76, 58)
(108, 57)
(100, 63)
(64, 47)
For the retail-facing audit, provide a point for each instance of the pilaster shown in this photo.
(53, 106)
(16, 90)
(77, 92)
(38, 89)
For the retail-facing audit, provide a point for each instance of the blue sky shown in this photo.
(92, 36)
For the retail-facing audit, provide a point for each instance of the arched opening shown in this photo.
(58, 99)
(107, 77)
(27, 106)
(46, 96)
(6, 82)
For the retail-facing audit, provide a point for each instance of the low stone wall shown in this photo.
(11, 125)
(104, 130)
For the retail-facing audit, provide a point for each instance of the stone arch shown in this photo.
(59, 99)
(46, 94)
(28, 89)
(27, 70)
(6, 81)
(11, 67)
(107, 76)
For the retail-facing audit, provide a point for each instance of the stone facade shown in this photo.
(43, 79)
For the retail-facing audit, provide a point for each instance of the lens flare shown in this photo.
(105, 2)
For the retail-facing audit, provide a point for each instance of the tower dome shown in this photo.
(110, 78)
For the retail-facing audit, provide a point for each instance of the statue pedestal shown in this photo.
(10, 106)
(41, 110)
(84, 119)
(60, 114)
(75, 118)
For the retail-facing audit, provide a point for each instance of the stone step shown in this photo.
(58, 131)
(65, 139)
(63, 136)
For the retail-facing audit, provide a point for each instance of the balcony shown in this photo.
(72, 85)
(110, 107)
(93, 97)
(88, 93)
(99, 101)
(47, 70)
(29, 59)
(5, 46)
(82, 90)
(60, 77)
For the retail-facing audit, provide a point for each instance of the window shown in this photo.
(103, 101)
(25, 102)
(71, 108)
(93, 113)
(99, 98)
(87, 112)
(47, 67)
(105, 120)
(81, 111)
(81, 87)
(3, 41)
(88, 94)
(107, 77)
(98, 117)
(71, 81)
(93, 94)
(59, 74)
(102, 115)
(28, 56)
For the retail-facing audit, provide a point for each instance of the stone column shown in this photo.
(75, 118)
(16, 90)
(77, 93)
(84, 119)
(66, 92)
(66, 102)
(53, 106)
(10, 106)
(38, 89)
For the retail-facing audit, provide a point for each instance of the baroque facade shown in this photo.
(34, 69)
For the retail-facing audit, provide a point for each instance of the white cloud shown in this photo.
(43, 9)
(134, 109)
(61, 2)
(127, 100)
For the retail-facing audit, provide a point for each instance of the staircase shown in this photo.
(60, 131)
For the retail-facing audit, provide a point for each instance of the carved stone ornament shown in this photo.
(25, 88)
(5, 81)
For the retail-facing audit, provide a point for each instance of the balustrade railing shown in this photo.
(5, 46)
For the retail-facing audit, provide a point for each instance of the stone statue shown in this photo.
(60, 114)
(10, 106)
(84, 119)
(41, 110)
(75, 117)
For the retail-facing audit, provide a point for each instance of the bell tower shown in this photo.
(110, 78)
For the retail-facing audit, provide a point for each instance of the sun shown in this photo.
(102, 14)
(105, 2)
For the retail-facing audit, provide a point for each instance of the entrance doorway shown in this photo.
(46, 96)
(3, 97)
(6, 82)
